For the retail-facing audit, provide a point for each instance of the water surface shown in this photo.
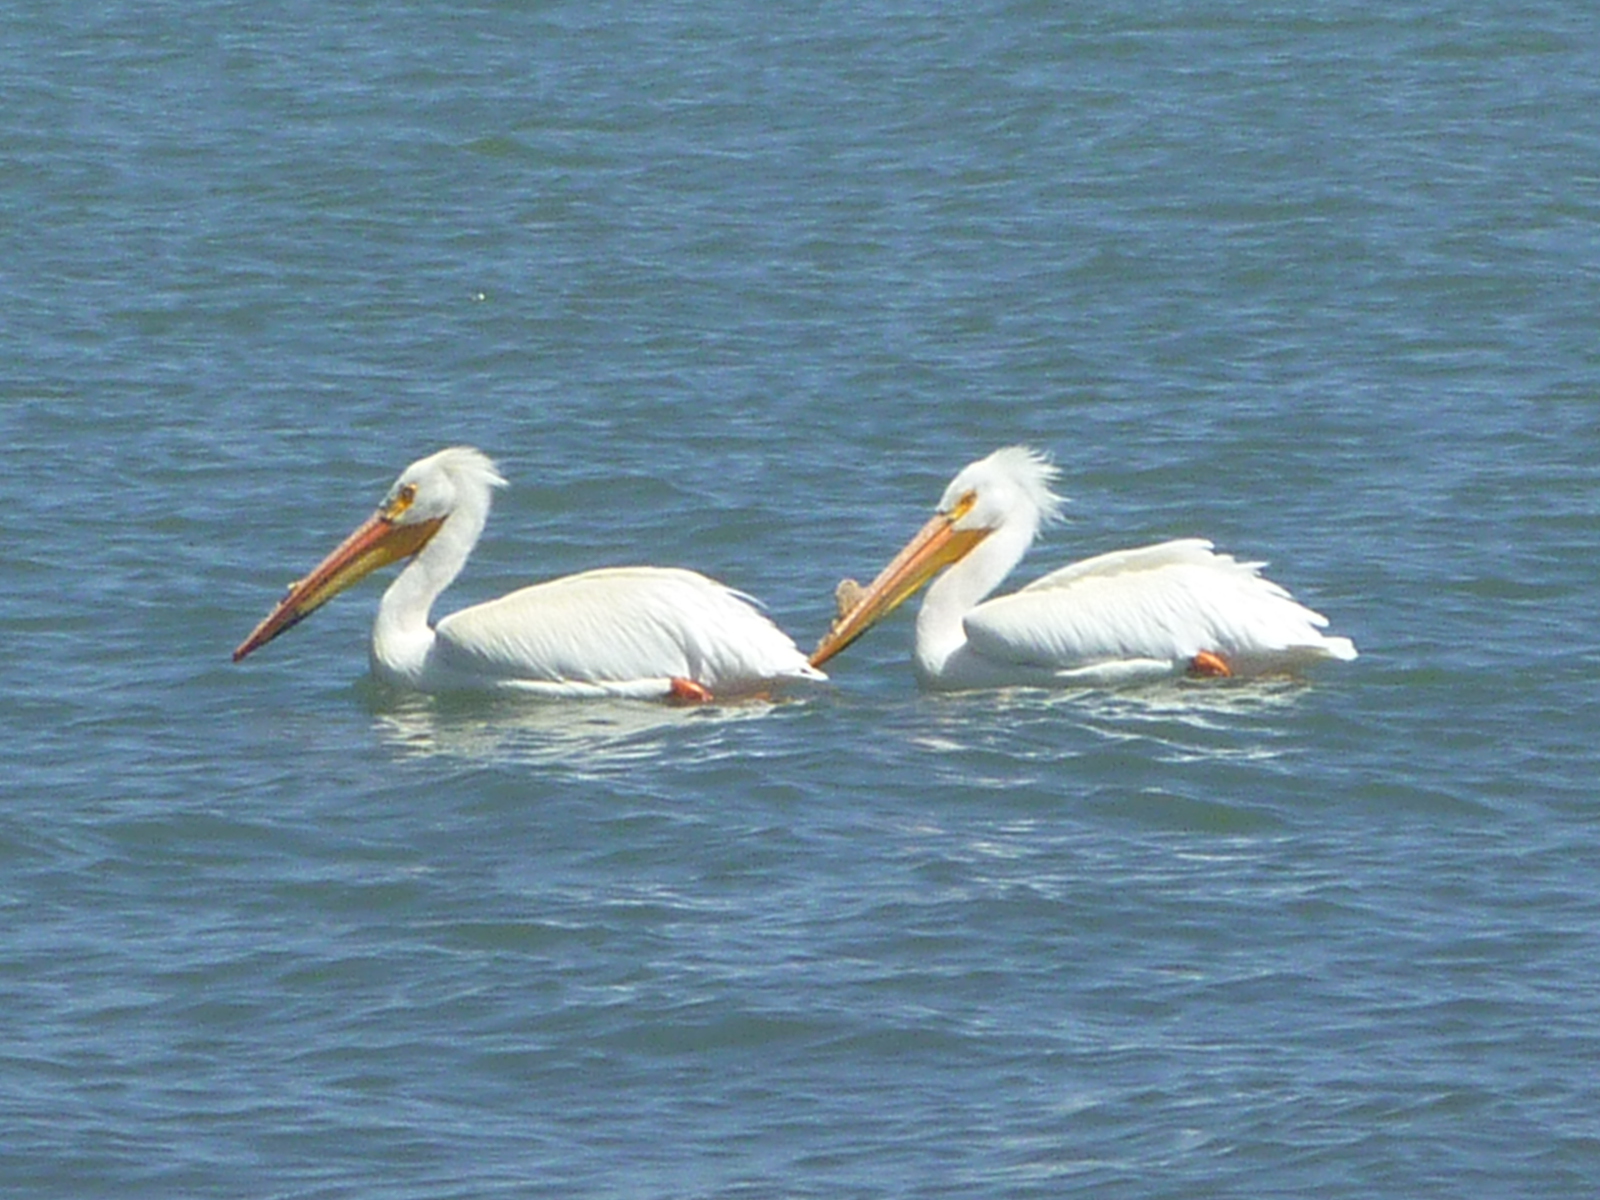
(740, 290)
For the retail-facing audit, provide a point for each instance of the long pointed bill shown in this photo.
(378, 542)
(937, 544)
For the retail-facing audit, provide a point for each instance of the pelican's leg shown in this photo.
(1210, 666)
(687, 691)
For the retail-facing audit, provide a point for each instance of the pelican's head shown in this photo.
(428, 492)
(1008, 490)
(1010, 485)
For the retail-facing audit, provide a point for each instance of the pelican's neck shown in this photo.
(962, 588)
(402, 638)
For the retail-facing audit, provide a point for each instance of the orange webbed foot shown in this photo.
(687, 691)
(1207, 665)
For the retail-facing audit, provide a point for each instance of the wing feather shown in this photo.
(622, 625)
(1167, 602)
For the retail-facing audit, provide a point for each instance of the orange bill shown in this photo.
(378, 542)
(937, 544)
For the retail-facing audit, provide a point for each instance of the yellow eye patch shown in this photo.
(962, 507)
(404, 497)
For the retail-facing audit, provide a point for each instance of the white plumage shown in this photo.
(643, 626)
(1131, 615)
(634, 631)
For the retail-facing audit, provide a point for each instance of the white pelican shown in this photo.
(1124, 617)
(643, 632)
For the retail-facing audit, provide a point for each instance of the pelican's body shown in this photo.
(1132, 615)
(643, 632)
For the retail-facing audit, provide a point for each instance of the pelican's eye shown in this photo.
(404, 497)
(962, 506)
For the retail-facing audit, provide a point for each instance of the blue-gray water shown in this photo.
(739, 287)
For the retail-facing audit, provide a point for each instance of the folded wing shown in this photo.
(1166, 602)
(622, 626)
